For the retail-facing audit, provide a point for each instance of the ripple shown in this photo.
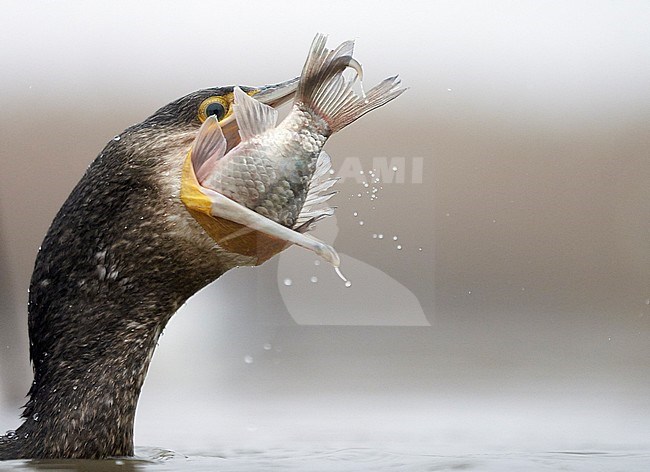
(353, 459)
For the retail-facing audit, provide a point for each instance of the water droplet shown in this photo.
(448, 90)
(394, 168)
(119, 462)
(348, 284)
(419, 249)
(267, 347)
(374, 236)
(116, 138)
(380, 236)
(314, 279)
(288, 282)
(365, 184)
(394, 238)
(361, 223)
(36, 417)
(341, 276)
(399, 246)
(248, 359)
(361, 172)
(331, 171)
(359, 195)
(355, 214)
(469, 292)
(75, 387)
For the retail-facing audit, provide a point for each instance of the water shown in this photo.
(341, 276)
(344, 459)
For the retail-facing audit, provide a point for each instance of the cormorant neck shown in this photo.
(119, 259)
(83, 400)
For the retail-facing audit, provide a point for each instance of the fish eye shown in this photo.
(216, 106)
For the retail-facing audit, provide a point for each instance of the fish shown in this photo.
(268, 191)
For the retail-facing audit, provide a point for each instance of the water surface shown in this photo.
(349, 459)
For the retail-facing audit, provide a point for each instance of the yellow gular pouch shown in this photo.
(231, 236)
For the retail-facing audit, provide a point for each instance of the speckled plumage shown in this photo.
(119, 259)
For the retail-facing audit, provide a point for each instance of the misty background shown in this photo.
(516, 312)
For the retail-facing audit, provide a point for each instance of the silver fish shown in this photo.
(275, 180)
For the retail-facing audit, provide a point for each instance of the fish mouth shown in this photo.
(272, 95)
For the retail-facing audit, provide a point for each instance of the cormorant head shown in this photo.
(190, 111)
(146, 162)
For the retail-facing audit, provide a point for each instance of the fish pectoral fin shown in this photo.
(209, 146)
(225, 208)
(252, 117)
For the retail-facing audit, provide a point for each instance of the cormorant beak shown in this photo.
(276, 95)
(272, 95)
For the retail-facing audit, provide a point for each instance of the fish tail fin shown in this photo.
(325, 90)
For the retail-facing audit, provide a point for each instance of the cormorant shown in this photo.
(138, 236)
(121, 256)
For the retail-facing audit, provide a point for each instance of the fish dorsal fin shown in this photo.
(252, 117)
(209, 146)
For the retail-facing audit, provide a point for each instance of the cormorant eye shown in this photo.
(216, 109)
(216, 106)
